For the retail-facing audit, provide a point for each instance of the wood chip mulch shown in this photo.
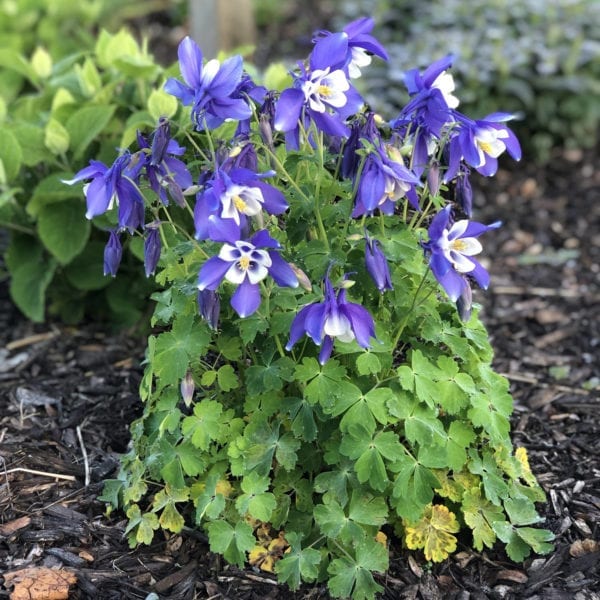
(67, 396)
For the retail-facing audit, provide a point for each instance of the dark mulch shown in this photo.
(68, 394)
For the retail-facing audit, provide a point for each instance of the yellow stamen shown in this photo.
(458, 245)
(325, 91)
(485, 146)
(239, 203)
(244, 263)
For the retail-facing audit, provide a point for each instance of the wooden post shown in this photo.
(221, 24)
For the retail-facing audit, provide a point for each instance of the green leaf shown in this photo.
(11, 156)
(227, 378)
(255, 500)
(368, 509)
(204, 425)
(56, 137)
(31, 142)
(28, 285)
(521, 511)
(51, 190)
(302, 414)
(231, 543)
(368, 363)
(85, 124)
(141, 526)
(161, 104)
(334, 523)
(298, 564)
(480, 515)
(413, 488)
(85, 271)
(484, 413)
(521, 540)
(352, 576)
(54, 220)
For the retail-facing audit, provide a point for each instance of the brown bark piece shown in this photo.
(40, 583)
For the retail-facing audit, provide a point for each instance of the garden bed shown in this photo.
(67, 396)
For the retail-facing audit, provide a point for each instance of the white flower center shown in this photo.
(445, 83)
(489, 141)
(246, 261)
(241, 199)
(457, 249)
(325, 88)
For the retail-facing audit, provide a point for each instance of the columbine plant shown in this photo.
(318, 384)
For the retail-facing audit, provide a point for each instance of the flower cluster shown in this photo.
(391, 169)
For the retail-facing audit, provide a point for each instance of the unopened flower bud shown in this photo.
(152, 248)
(303, 279)
(377, 265)
(464, 193)
(112, 254)
(209, 307)
(433, 178)
(464, 303)
(187, 388)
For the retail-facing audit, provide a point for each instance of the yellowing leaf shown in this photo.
(433, 533)
(259, 557)
(224, 487)
(526, 474)
(381, 538)
(268, 553)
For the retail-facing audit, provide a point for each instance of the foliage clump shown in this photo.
(318, 380)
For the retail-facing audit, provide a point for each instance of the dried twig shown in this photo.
(86, 464)
(42, 473)
(31, 339)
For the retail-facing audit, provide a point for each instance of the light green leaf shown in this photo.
(204, 425)
(11, 155)
(368, 363)
(161, 104)
(56, 137)
(227, 378)
(84, 125)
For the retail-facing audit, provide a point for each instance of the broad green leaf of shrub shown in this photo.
(85, 124)
(11, 156)
(28, 283)
(62, 230)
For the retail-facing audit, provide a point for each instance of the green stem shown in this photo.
(408, 312)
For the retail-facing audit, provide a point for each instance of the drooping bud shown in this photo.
(303, 279)
(160, 141)
(152, 248)
(187, 388)
(433, 178)
(377, 265)
(112, 254)
(464, 303)
(209, 307)
(464, 193)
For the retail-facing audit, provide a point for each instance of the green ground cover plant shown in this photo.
(318, 381)
(536, 59)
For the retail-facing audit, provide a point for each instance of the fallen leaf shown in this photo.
(512, 575)
(581, 547)
(39, 583)
(9, 528)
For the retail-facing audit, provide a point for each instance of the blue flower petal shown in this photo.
(246, 299)
(212, 273)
